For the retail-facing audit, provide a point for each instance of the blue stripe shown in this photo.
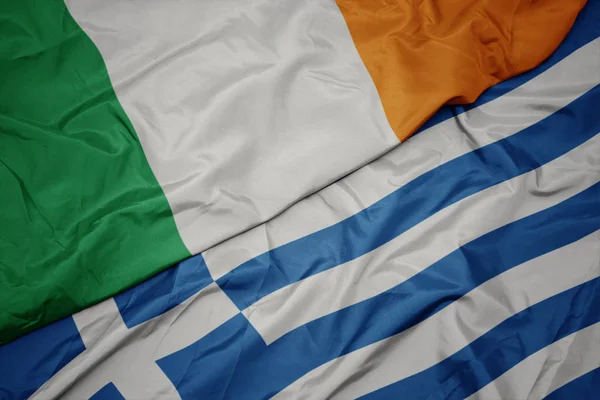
(414, 202)
(585, 387)
(29, 361)
(500, 349)
(247, 368)
(585, 29)
(108, 392)
(164, 291)
(25, 364)
(204, 370)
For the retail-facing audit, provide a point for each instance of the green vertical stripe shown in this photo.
(82, 216)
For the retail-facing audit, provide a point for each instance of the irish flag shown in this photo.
(308, 199)
(135, 134)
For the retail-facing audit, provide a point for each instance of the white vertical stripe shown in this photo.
(242, 107)
(375, 366)
(524, 106)
(126, 357)
(426, 243)
(548, 369)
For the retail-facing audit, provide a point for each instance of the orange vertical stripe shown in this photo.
(422, 54)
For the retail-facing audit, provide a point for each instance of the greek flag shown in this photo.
(463, 263)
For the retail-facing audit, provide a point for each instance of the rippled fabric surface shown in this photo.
(82, 216)
(464, 263)
(138, 133)
(423, 54)
(242, 107)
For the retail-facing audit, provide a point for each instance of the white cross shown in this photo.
(126, 357)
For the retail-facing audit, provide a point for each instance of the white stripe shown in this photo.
(426, 243)
(460, 323)
(126, 357)
(486, 124)
(242, 107)
(548, 369)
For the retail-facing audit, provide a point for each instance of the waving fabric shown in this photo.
(136, 134)
(462, 264)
